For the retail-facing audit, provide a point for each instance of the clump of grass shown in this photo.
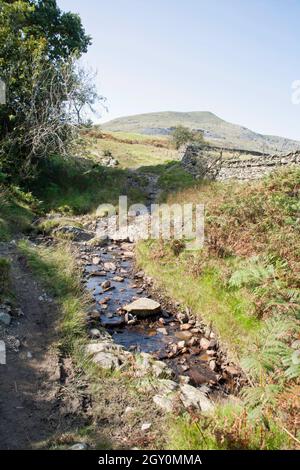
(56, 269)
(78, 186)
(17, 210)
(230, 428)
(206, 295)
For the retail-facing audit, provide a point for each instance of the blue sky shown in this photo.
(236, 58)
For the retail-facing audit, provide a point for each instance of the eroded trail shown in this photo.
(173, 335)
(33, 407)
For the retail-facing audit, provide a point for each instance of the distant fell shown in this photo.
(216, 130)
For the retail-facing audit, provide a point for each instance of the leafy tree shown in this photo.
(38, 44)
(181, 135)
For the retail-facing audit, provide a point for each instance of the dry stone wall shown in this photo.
(217, 163)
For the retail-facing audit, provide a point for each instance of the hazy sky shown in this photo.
(236, 58)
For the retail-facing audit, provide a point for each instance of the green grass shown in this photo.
(206, 296)
(78, 186)
(16, 211)
(57, 271)
(131, 150)
(228, 429)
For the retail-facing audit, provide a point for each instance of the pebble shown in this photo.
(146, 426)
(95, 333)
(5, 318)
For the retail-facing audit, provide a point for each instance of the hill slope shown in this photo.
(216, 130)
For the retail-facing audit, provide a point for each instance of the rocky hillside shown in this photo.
(215, 129)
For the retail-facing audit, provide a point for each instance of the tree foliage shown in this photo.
(182, 135)
(38, 46)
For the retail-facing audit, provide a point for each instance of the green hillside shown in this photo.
(216, 130)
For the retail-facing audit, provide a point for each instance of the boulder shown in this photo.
(107, 360)
(165, 403)
(5, 318)
(196, 398)
(143, 307)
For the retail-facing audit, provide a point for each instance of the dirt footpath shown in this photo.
(33, 406)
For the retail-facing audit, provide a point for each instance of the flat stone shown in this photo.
(107, 360)
(186, 327)
(165, 403)
(79, 446)
(146, 426)
(109, 266)
(194, 397)
(162, 331)
(204, 343)
(105, 285)
(166, 386)
(94, 348)
(143, 307)
(118, 279)
(94, 333)
(96, 260)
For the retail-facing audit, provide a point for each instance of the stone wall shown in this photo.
(210, 162)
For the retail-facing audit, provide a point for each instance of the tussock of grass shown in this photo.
(16, 211)
(229, 429)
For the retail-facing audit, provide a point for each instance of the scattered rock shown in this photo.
(163, 402)
(128, 410)
(139, 274)
(146, 426)
(79, 446)
(232, 370)
(181, 344)
(143, 307)
(106, 360)
(94, 333)
(77, 234)
(204, 343)
(96, 260)
(109, 266)
(296, 344)
(5, 318)
(106, 285)
(118, 279)
(162, 331)
(194, 397)
(186, 327)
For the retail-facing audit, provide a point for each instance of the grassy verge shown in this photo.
(16, 211)
(79, 186)
(205, 295)
(245, 282)
(131, 150)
